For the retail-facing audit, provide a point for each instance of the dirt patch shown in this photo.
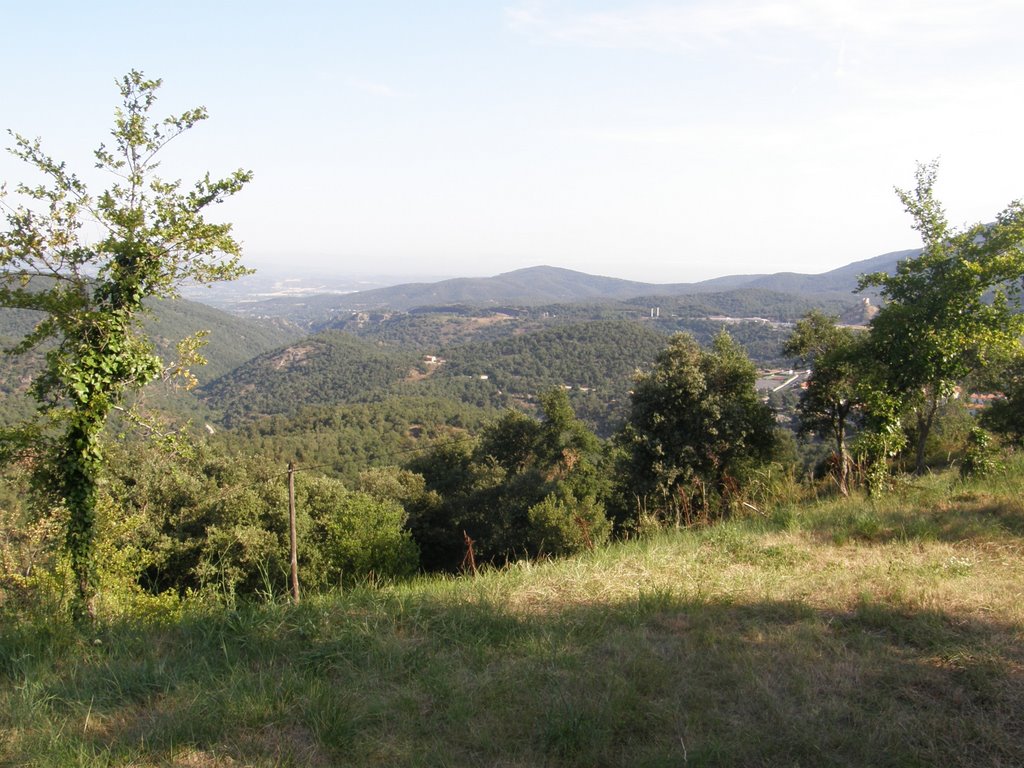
(291, 357)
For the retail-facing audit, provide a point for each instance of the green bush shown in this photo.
(565, 527)
(218, 525)
(354, 536)
(980, 454)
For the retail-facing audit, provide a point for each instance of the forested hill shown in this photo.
(327, 368)
(230, 341)
(744, 303)
(595, 355)
(595, 359)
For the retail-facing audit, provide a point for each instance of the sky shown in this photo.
(654, 141)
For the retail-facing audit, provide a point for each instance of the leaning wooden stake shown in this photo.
(470, 558)
(291, 530)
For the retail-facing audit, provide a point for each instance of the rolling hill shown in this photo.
(323, 369)
(231, 341)
(535, 286)
(593, 355)
(593, 359)
(841, 280)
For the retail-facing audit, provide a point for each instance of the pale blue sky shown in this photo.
(659, 141)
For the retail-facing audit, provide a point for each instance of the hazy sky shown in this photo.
(657, 141)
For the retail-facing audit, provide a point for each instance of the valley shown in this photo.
(504, 341)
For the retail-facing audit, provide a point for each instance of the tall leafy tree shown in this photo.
(835, 389)
(88, 263)
(951, 309)
(695, 422)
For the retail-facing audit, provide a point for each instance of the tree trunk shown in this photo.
(841, 453)
(925, 417)
(844, 466)
(78, 483)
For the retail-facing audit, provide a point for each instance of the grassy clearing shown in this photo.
(838, 633)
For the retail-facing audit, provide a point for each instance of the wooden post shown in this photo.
(291, 530)
(470, 558)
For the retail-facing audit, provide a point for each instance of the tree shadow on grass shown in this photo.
(652, 681)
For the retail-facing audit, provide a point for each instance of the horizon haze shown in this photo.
(649, 141)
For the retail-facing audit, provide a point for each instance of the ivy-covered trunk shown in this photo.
(77, 479)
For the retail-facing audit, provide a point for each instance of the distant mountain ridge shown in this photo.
(556, 285)
(839, 280)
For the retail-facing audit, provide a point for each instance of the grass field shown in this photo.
(851, 633)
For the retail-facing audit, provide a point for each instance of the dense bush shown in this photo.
(354, 536)
(526, 488)
(220, 524)
(560, 526)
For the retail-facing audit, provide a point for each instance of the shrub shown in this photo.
(979, 455)
(566, 526)
(354, 536)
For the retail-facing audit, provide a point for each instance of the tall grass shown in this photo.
(880, 632)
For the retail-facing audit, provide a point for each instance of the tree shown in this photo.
(528, 487)
(695, 422)
(834, 389)
(556, 459)
(88, 264)
(949, 310)
(1005, 415)
(512, 441)
(571, 517)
